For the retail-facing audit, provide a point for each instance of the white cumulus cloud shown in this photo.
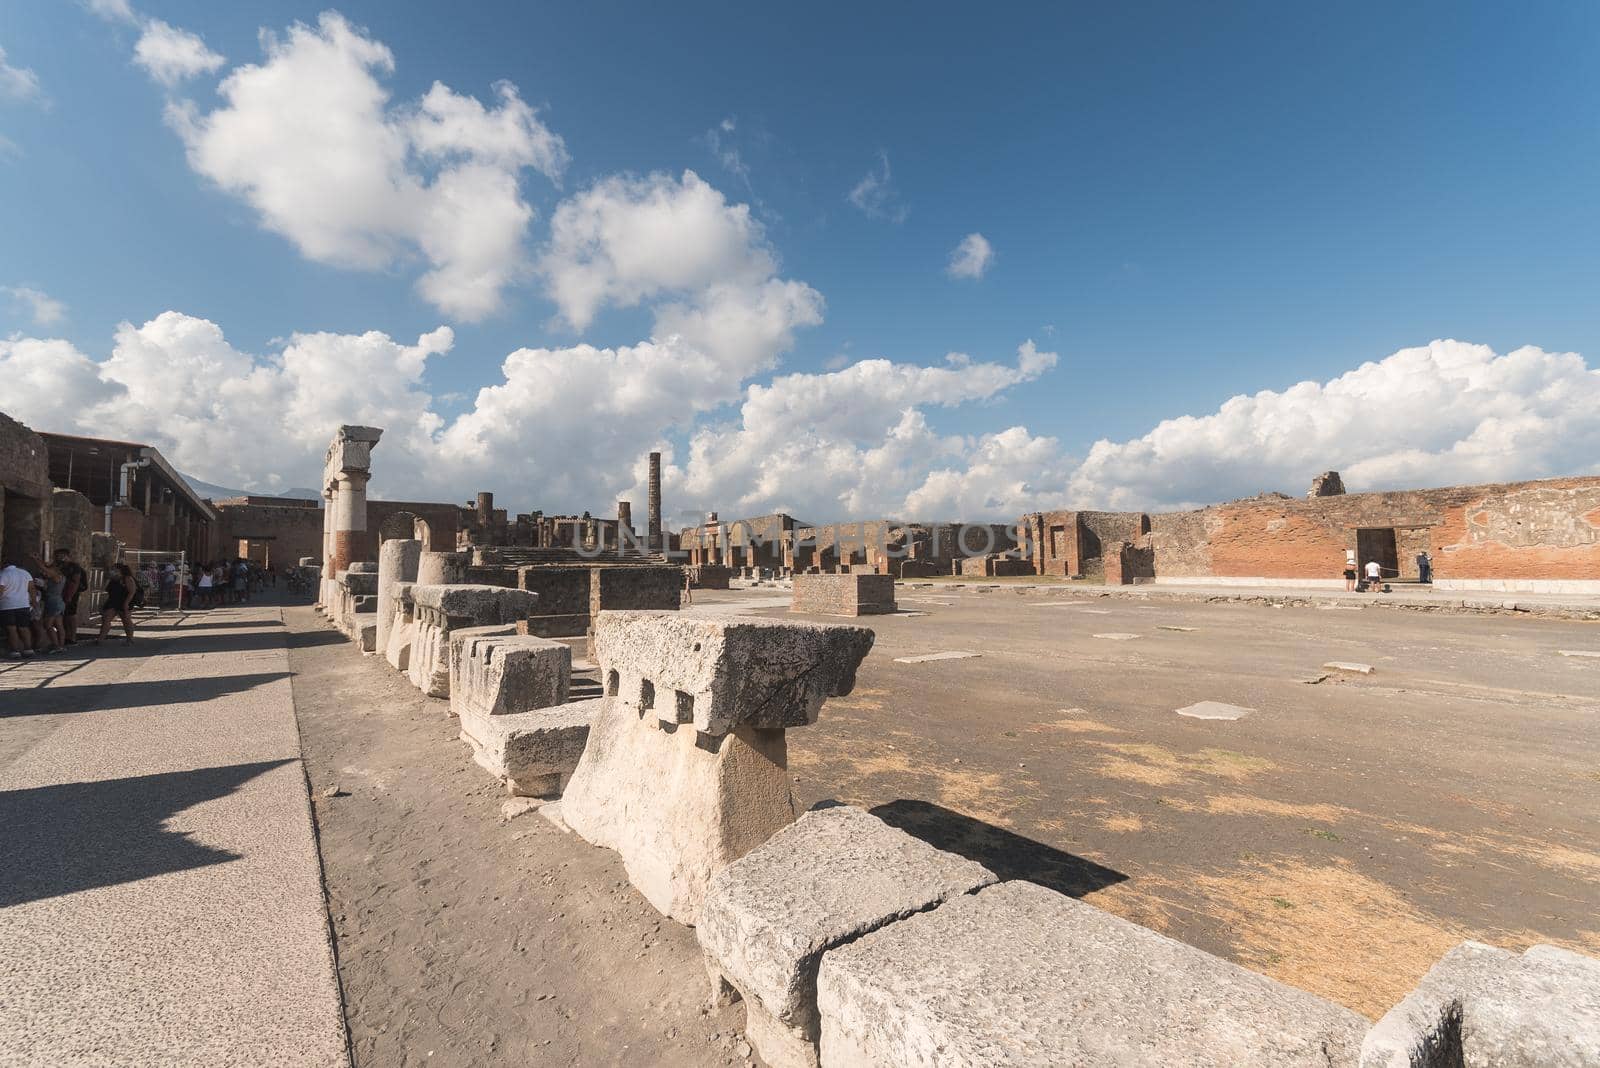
(41, 307)
(17, 83)
(1446, 413)
(171, 55)
(971, 258)
(310, 139)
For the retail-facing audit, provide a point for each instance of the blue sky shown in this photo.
(1185, 202)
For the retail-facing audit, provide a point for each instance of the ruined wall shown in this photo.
(24, 490)
(1068, 543)
(72, 524)
(294, 528)
(1545, 531)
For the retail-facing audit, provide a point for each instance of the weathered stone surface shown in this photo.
(830, 877)
(1481, 1006)
(1021, 975)
(442, 569)
(720, 673)
(686, 766)
(440, 610)
(843, 595)
(1349, 667)
(492, 675)
(533, 753)
(397, 564)
(402, 628)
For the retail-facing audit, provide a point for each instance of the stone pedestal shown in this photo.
(397, 564)
(686, 768)
(856, 594)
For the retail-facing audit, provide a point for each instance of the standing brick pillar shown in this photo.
(624, 518)
(653, 541)
(344, 477)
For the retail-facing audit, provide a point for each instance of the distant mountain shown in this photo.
(217, 493)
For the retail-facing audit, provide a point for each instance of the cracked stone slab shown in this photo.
(1214, 710)
(1018, 974)
(1480, 1007)
(1349, 667)
(832, 876)
(926, 658)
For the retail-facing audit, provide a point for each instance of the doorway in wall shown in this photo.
(1378, 543)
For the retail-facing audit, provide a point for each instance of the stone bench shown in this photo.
(829, 878)
(1481, 1007)
(439, 610)
(534, 753)
(1017, 974)
(686, 766)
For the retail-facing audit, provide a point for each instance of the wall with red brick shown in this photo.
(1548, 529)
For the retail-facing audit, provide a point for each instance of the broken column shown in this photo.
(686, 766)
(397, 563)
(653, 536)
(832, 876)
(439, 610)
(346, 471)
(442, 569)
(624, 521)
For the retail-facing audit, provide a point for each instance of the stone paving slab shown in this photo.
(161, 897)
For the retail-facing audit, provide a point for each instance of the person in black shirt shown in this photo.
(120, 591)
(71, 590)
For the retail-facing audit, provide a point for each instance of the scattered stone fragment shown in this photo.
(1018, 974)
(1582, 652)
(1117, 636)
(551, 810)
(1349, 667)
(1214, 710)
(512, 807)
(332, 791)
(1313, 680)
(928, 657)
(1170, 626)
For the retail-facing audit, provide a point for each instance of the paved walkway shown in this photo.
(160, 892)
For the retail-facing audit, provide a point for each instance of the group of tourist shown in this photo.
(39, 604)
(228, 582)
(1370, 578)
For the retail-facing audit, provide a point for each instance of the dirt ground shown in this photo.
(462, 939)
(1340, 837)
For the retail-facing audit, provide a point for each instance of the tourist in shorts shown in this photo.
(1350, 578)
(52, 607)
(120, 592)
(16, 610)
(72, 588)
(1374, 576)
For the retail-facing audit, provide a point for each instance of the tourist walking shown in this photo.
(1424, 567)
(120, 591)
(16, 614)
(72, 589)
(52, 606)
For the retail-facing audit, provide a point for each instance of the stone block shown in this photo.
(635, 588)
(498, 675)
(441, 610)
(364, 629)
(402, 628)
(534, 753)
(562, 610)
(843, 595)
(397, 566)
(1480, 1006)
(686, 769)
(827, 879)
(718, 673)
(1020, 975)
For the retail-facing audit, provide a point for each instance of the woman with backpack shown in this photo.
(120, 592)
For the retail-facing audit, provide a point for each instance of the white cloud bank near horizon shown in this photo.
(568, 429)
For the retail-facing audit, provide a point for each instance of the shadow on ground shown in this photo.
(76, 836)
(1008, 855)
(49, 700)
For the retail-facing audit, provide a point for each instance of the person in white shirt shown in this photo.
(1374, 576)
(16, 610)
